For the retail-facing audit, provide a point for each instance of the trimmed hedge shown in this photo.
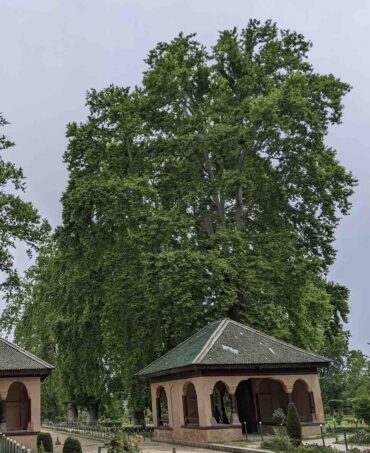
(46, 440)
(72, 445)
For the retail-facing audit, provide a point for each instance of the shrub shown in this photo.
(293, 425)
(121, 443)
(361, 438)
(361, 406)
(358, 450)
(47, 442)
(314, 448)
(279, 416)
(72, 445)
(336, 406)
(278, 442)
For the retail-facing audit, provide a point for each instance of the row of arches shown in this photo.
(254, 400)
(15, 410)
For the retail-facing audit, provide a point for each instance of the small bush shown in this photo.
(361, 438)
(293, 425)
(121, 443)
(336, 406)
(279, 442)
(72, 445)
(358, 450)
(47, 442)
(279, 416)
(314, 448)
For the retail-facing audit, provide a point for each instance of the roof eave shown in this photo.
(258, 366)
(42, 372)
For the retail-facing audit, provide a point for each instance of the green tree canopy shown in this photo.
(208, 191)
(20, 222)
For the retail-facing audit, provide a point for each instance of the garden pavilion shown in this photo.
(228, 378)
(21, 374)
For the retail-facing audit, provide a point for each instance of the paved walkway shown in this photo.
(91, 445)
(156, 447)
(330, 442)
(88, 445)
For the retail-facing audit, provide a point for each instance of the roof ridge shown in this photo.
(211, 341)
(177, 346)
(279, 341)
(28, 354)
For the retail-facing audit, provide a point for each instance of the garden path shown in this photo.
(90, 445)
(330, 442)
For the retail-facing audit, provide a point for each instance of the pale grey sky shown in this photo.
(53, 51)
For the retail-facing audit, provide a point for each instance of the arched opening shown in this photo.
(270, 396)
(303, 401)
(17, 407)
(221, 404)
(190, 405)
(162, 407)
(246, 408)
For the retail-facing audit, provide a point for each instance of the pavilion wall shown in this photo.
(28, 436)
(210, 431)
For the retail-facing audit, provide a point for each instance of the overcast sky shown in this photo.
(53, 51)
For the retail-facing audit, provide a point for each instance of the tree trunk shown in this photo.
(72, 412)
(139, 418)
(93, 412)
(233, 313)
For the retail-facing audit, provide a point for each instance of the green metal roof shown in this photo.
(14, 359)
(229, 343)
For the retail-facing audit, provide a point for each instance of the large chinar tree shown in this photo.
(209, 191)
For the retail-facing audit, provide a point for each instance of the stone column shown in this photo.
(204, 393)
(169, 405)
(313, 387)
(153, 391)
(34, 394)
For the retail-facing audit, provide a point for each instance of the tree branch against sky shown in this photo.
(20, 223)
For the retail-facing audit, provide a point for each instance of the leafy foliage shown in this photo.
(362, 407)
(336, 405)
(46, 441)
(121, 443)
(293, 425)
(361, 438)
(280, 441)
(72, 445)
(207, 192)
(19, 221)
(279, 416)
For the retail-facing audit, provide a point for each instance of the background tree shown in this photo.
(19, 221)
(361, 406)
